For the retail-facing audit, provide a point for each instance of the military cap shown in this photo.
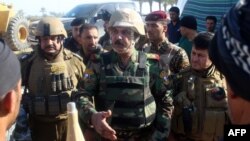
(10, 72)
(156, 16)
(78, 21)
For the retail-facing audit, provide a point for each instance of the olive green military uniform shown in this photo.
(141, 105)
(200, 108)
(50, 85)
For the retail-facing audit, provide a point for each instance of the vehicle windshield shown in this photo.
(84, 10)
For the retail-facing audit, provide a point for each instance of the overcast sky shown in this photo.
(33, 7)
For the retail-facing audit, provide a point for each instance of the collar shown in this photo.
(205, 73)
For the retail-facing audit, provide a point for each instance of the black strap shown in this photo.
(106, 60)
(133, 104)
(142, 64)
(133, 121)
(26, 77)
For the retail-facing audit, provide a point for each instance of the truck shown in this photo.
(14, 28)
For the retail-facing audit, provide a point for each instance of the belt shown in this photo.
(126, 134)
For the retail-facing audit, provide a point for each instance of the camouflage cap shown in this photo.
(156, 16)
(127, 18)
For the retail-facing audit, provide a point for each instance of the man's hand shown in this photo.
(101, 126)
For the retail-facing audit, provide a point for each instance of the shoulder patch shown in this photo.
(89, 71)
(153, 56)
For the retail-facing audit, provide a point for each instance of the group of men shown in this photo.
(183, 31)
(150, 93)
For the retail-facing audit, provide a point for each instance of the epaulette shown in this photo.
(77, 56)
(153, 56)
(26, 57)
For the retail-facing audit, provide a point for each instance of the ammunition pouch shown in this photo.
(51, 105)
(187, 118)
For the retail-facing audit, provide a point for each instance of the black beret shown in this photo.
(189, 22)
(78, 21)
(156, 16)
(10, 69)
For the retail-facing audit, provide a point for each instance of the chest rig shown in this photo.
(127, 94)
(50, 85)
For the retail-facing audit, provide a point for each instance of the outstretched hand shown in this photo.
(99, 121)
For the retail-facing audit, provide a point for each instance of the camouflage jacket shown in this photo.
(160, 92)
(171, 56)
(93, 57)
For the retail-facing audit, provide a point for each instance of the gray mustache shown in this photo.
(118, 42)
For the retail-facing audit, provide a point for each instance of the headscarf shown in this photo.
(230, 48)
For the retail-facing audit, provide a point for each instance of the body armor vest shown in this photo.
(43, 74)
(50, 85)
(205, 112)
(128, 96)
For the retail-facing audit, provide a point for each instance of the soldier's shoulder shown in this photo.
(152, 56)
(185, 72)
(175, 47)
(218, 74)
(27, 57)
(171, 45)
(71, 55)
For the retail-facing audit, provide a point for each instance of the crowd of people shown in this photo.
(144, 80)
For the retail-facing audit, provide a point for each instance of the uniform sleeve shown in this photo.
(180, 61)
(163, 97)
(85, 103)
(79, 69)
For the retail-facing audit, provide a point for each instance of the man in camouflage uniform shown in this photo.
(50, 75)
(90, 52)
(200, 108)
(171, 56)
(90, 49)
(131, 101)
